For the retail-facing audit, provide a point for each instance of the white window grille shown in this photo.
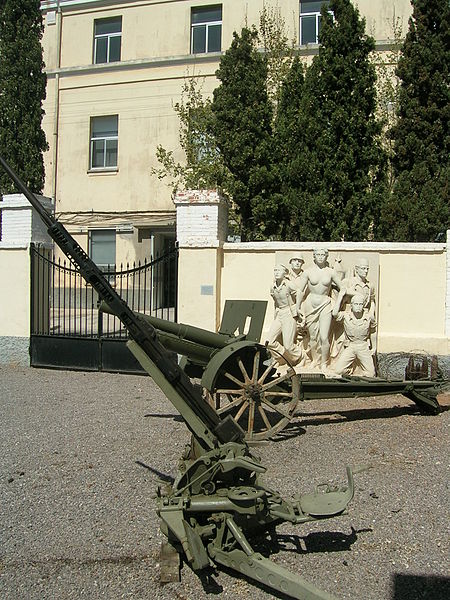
(206, 29)
(310, 20)
(104, 142)
(107, 40)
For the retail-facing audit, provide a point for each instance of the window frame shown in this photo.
(108, 37)
(106, 138)
(317, 15)
(207, 25)
(105, 267)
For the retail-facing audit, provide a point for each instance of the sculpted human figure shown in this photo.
(359, 284)
(338, 267)
(296, 269)
(295, 273)
(358, 325)
(284, 326)
(317, 281)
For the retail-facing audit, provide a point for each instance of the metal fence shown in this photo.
(64, 305)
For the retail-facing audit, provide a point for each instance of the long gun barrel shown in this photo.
(201, 419)
(182, 331)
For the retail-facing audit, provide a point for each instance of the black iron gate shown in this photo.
(68, 331)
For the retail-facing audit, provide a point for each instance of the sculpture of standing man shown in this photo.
(284, 326)
(315, 284)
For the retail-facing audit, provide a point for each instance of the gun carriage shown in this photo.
(218, 501)
(238, 375)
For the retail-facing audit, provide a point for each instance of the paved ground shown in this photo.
(80, 454)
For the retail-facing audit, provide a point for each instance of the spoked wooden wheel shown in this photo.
(249, 389)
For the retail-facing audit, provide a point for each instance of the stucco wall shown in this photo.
(21, 226)
(15, 296)
(412, 286)
(199, 287)
(146, 23)
(412, 302)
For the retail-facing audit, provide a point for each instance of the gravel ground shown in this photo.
(81, 453)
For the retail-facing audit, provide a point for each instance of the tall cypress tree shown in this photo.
(22, 90)
(419, 209)
(338, 161)
(289, 144)
(242, 128)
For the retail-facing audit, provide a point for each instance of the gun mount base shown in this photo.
(219, 502)
(257, 567)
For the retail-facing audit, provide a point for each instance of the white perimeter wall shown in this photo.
(15, 294)
(412, 280)
(412, 287)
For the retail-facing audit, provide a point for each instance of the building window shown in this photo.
(310, 20)
(206, 29)
(102, 248)
(107, 40)
(104, 142)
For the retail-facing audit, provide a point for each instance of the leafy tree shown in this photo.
(387, 89)
(279, 51)
(228, 142)
(203, 166)
(332, 179)
(22, 90)
(419, 208)
(242, 129)
(297, 151)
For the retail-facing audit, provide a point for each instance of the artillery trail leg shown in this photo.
(169, 561)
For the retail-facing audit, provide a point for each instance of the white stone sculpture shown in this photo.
(338, 267)
(296, 269)
(359, 284)
(283, 331)
(358, 325)
(314, 289)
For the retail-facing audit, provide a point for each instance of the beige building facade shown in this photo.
(115, 70)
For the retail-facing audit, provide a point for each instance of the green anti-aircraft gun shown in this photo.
(239, 379)
(218, 500)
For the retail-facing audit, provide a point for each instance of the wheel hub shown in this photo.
(253, 392)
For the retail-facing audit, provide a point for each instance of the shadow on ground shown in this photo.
(425, 587)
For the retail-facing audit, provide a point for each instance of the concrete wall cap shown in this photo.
(18, 201)
(190, 197)
(14, 246)
(382, 247)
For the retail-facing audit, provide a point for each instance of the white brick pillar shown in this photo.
(20, 226)
(201, 231)
(201, 219)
